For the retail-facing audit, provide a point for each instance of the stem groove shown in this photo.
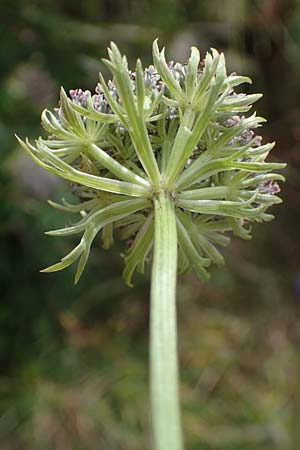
(163, 330)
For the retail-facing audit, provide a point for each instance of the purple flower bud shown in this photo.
(152, 70)
(232, 121)
(246, 136)
(257, 141)
(172, 113)
(151, 77)
(99, 89)
(79, 97)
(270, 187)
(73, 93)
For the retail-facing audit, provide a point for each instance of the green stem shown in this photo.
(163, 332)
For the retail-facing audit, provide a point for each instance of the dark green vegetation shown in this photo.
(74, 360)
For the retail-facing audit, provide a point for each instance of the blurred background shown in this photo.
(74, 360)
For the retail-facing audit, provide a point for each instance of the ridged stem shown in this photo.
(164, 390)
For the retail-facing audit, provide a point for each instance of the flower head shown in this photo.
(180, 129)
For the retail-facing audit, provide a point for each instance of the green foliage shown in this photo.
(171, 128)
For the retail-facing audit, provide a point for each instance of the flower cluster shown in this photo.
(172, 128)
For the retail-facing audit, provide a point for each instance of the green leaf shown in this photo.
(200, 170)
(223, 208)
(94, 115)
(232, 103)
(103, 216)
(88, 238)
(201, 243)
(208, 193)
(140, 87)
(198, 262)
(210, 67)
(192, 72)
(115, 167)
(162, 68)
(180, 155)
(139, 249)
(92, 226)
(44, 158)
(83, 206)
(238, 228)
(236, 80)
(53, 126)
(136, 124)
(69, 117)
(256, 179)
(117, 109)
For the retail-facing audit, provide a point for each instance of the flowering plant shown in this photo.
(165, 158)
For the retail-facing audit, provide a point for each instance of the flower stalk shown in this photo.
(163, 330)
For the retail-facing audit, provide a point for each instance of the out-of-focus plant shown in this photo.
(165, 159)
